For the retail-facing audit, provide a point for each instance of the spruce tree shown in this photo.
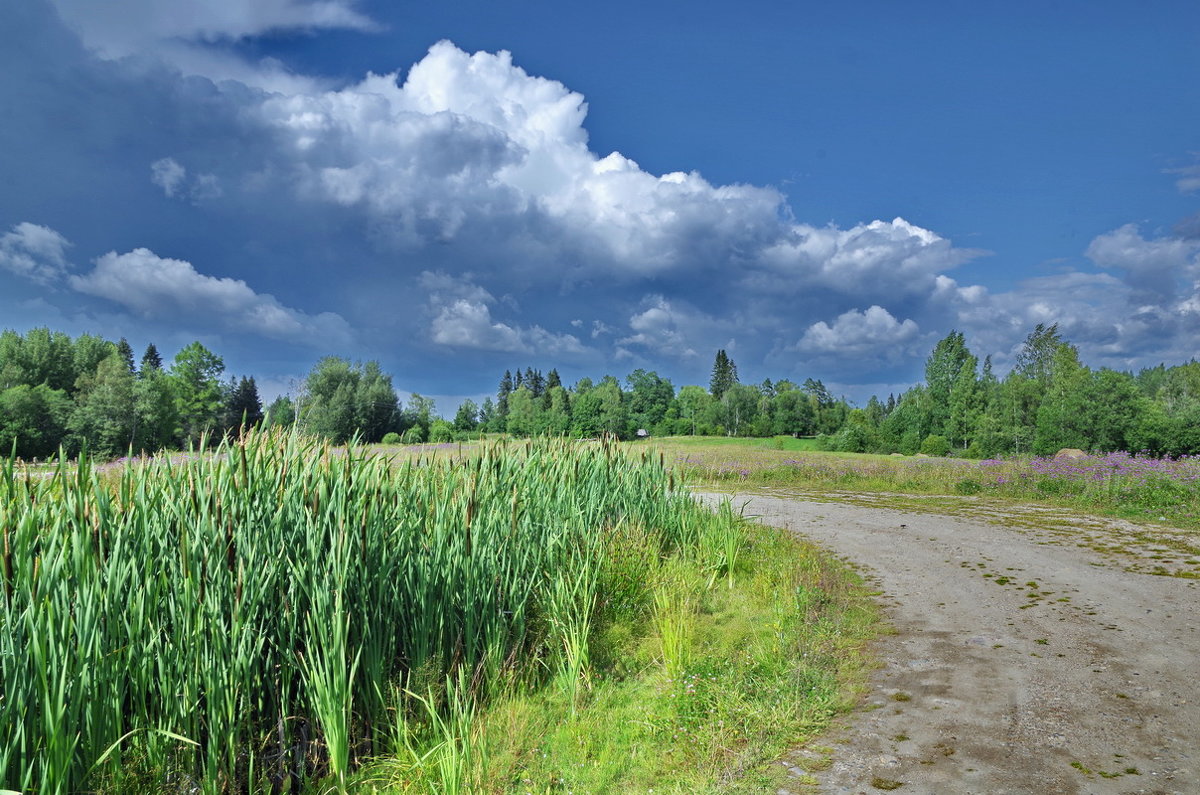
(150, 360)
(506, 389)
(126, 352)
(724, 375)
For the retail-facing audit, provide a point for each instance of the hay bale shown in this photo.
(1069, 453)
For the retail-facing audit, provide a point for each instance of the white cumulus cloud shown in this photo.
(160, 287)
(880, 258)
(462, 318)
(874, 331)
(35, 252)
(473, 140)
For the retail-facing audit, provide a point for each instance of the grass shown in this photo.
(701, 696)
(1116, 484)
(276, 614)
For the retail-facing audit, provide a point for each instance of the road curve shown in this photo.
(1021, 662)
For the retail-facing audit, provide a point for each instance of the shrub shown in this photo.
(391, 437)
(414, 435)
(935, 445)
(440, 432)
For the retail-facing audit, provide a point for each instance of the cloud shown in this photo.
(172, 177)
(34, 252)
(142, 23)
(1189, 176)
(880, 258)
(472, 143)
(672, 328)
(856, 333)
(195, 37)
(168, 175)
(1154, 268)
(463, 319)
(158, 287)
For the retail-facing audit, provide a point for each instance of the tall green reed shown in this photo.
(231, 619)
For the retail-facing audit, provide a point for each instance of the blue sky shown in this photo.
(824, 190)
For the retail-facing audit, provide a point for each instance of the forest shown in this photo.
(88, 392)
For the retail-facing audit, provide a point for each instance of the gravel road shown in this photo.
(1025, 658)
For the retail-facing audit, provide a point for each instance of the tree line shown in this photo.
(89, 392)
(1049, 400)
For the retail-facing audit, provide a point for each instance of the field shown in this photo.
(1120, 484)
(275, 615)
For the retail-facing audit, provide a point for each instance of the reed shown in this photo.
(237, 619)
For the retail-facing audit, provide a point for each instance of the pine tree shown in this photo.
(150, 360)
(243, 408)
(536, 382)
(724, 375)
(126, 352)
(506, 389)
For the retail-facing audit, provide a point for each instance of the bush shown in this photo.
(391, 437)
(441, 432)
(935, 445)
(974, 451)
(414, 435)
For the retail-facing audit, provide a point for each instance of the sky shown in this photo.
(823, 190)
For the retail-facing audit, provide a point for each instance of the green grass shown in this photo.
(1141, 489)
(759, 668)
(276, 612)
(784, 443)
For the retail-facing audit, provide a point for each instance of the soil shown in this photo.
(1024, 658)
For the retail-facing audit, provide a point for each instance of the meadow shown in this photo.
(1121, 484)
(278, 615)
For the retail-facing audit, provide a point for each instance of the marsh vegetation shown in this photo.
(274, 614)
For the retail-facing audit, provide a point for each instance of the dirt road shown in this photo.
(1021, 662)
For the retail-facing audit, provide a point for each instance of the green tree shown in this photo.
(196, 382)
(125, 351)
(650, 396)
(489, 418)
(585, 414)
(695, 403)
(724, 375)
(965, 405)
(614, 413)
(1035, 360)
(419, 413)
(1062, 417)
(376, 404)
(34, 419)
(243, 408)
(281, 413)
(86, 354)
(151, 361)
(556, 419)
(942, 369)
(105, 411)
(523, 411)
(466, 419)
(156, 412)
(739, 406)
(794, 413)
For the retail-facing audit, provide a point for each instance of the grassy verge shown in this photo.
(699, 690)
